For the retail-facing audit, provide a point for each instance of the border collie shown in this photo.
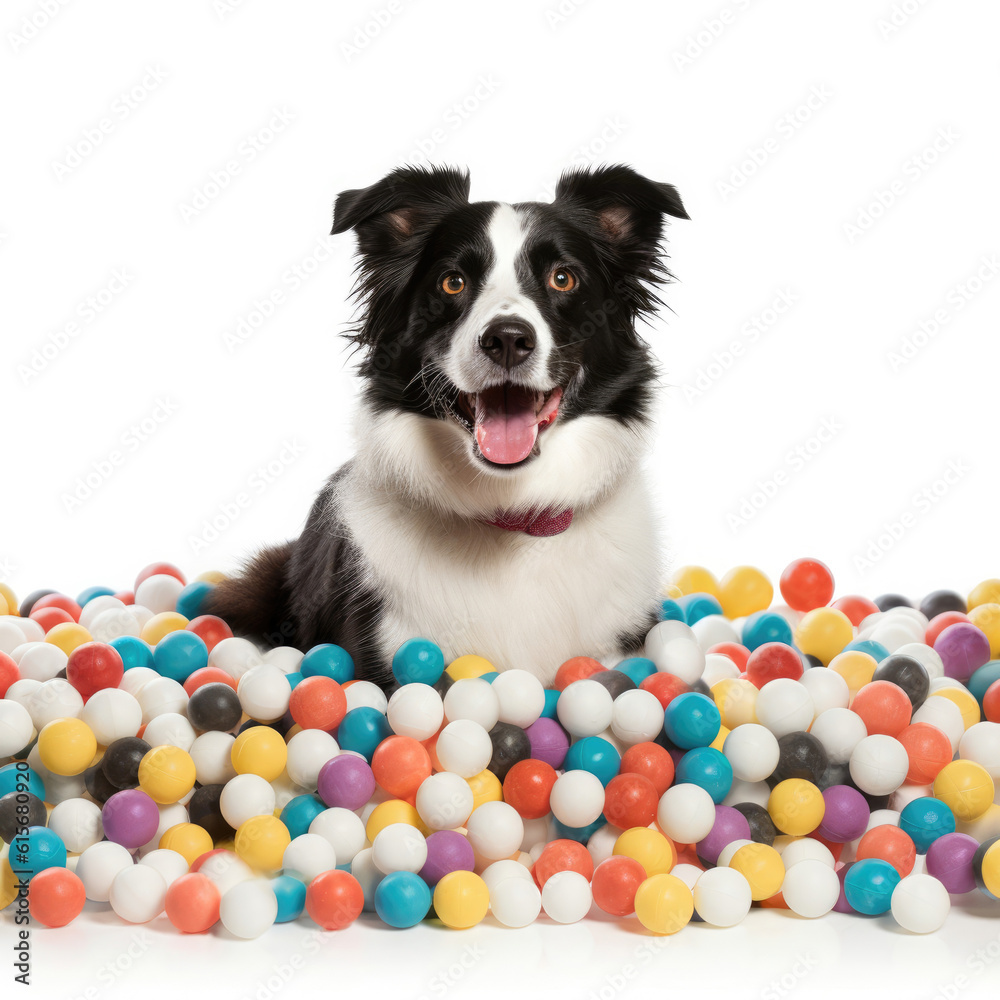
(496, 503)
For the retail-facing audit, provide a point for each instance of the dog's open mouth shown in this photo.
(507, 419)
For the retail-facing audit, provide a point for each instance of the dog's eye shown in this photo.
(562, 279)
(453, 284)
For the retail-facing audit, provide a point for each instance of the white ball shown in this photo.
(688, 874)
(722, 897)
(662, 633)
(235, 655)
(307, 856)
(796, 849)
(136, 679)
(415, 710)
(747, 791)
(727, 852)
(169, 864)
(98, 605)
(286, 658)
(399, 847)
(536, 831)
(906, 793)
(212, 753)
(981, 743)
(159, 593)
(515, 902)
(464, 747)
(344, 829)
(364, 870)
(931, 659)
(785, 706)
(601, 844)
(827, 688)
(112, 714)
(245, 796)
(170, 815)
(141, 615)
(521, 697)
(32, 631)
(22, 692)
(495, 830)
(501, 871)
(636, 716)
(753, 752)
(137, 893)
(882, 817)
(719, 668)
(97, 867)
(113, 623)
(713, 629)
(11, 636)
(566, 897)
(162, 696)
(264, 693)
(585, 708)
(920, 904)
(894, 633)
(170, 729)
(811, 887)
(946, 716)
(78, 824)
(686, 813)
(472, 698)
(364, 694)
(41, 661)
(16, 728)
(682, 657)
(59, 787)
(55, 699)
(577, 798)
(839, 730)
(249, 909)
(308, 751)
(879, 764)
(444, 800)
(226, 869)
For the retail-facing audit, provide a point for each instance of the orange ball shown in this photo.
(208, 675)
(210, 629)
(651, 761)
(630, 800)
(563, 856)
(883, 707)
(940, 622)
(737, 653)
(615, 883)
(400, 764)
(856, 608)
(192, 903)
(61, 601)
(528, 786)
(318, 702)
(49, 618)
(334, 900)
(929, 750)
(664, 686)
(890, 844)
(991, 702)
(577, 668)
(56, 897)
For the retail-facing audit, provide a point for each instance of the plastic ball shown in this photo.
(823, 633)
(189, 840)
(192, 903)
(890, 843)
(652, 761)
(16, 728)
(744, 590)
(215, 706)
(385, 813)
(563, 855)
(924, 820)
(67, 636)
(346, 831)
(97, 867)
(630, 800)
(577, 798)
(260, 750)
(93, 666)
(510, 746)
(800, 755)
(949, 859)
(878, 764)
(806, 584)
(346, 781)
(810, 888)
(869, 885)
(691, 720)
(261, 842)
(883, 707)
(797, 806)
(664, 904)
(784, 706)
(963, 648)
(138, 894)
(753, 752)
(66, 746)
(708, 768)
(335, 899)
(415, 710)
(615, 883)
(761, 866)
(290, 895)
(596, 755)
(399, 847)
(447, 851)
(41, 848)
(856, 667)
(845, 814)
(722, 897)
(461, 900)
(464, 747)
(966, 788)
(686, 813)
(986, 867)
(130, 818)
(362, 730)
(649, 847)
(528, 786)
(167, 774)
(585, 708)
(56, 897)
(772, 660)
(19, 810)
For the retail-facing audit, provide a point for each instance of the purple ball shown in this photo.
(963, 649)
(730, 824)
(447, 851)
(846, 814)
(346, 782)
(130, 818)
(549, 741)
(949, 860)
(842, 906)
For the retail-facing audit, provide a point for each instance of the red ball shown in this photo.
(318, 703)
(737, 653)
(56, 897)
(806, 584)
(884, 708)
(666, 687)
(856, 608)
(210, 629)
(929, 750)
(890, 844)
(400, 764)
(940, 622)
(155, 569)
(991, 702)
(208, 675)
(93, 666)
(651, 761)
(9, 672)
(616, 881)
(528, 786)
(576, 668)
(630, 800)
(48, 618)
(773, 660)
(562, 856)
(67, 604)
(192, 903)
(334, 900)
(126, 596)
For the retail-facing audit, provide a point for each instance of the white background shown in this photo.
(172, 424)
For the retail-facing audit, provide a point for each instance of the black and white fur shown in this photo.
(396, 543)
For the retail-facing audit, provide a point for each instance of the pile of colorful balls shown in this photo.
(815, 756)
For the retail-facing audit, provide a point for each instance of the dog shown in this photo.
(496, 502)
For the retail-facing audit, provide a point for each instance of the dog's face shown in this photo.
(499, 325)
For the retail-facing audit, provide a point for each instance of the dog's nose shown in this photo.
(508, 342)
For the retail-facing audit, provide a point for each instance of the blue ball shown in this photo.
(691, 720)
(14, 776)
(869, 646)
(299, 812)
(133, 651)
(328, 660)
(868, 885)
(595, 755)
(581, 834)
(490, 676)
(179, 654)
(551, 700)
(671, 611)
(294, 678)
(91, 592)
(291, 896)
(192, 597)
(980, 681)
(638, 668)
(708, 768)
(362, 730)
(418, 661)
(402, 899)
(763, 627)
(698, 606)
(39, 848)
(924, 820)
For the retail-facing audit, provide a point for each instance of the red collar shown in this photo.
(540, 523)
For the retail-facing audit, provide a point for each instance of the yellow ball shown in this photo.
(4, 606)
(762, 867)
(743, 591)
(966, 788)
(664, 904)
(67, 636)
(796, 806)
(987, 592)
(991, 870)
(393, 811)
(720, 740)
(212, 576)
(736, 700)
(986, 618)
(10, 599)
(985, 828)
(856, 667)
(261, 842)
(823, 633)
(965, 701)
(160, 625)
(655, 852)
(187, 839)
(486, 787)
(67, 746)
(672, 591)
(469, 666)
(260, 750)
(8, 885)
(166, 774)
(695, 580)
(461, 900)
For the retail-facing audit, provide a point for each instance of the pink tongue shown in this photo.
(506, 423)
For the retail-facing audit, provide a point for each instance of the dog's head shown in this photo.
(501, 359)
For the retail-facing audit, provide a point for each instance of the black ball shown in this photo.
(615, 681)
(887, 601)
(510, 745)
(978, 862)
(97, 784)
(121, 761)
(15, 816)
(701, 687)
(22, 754)
(62, 674)
(762, 828)
(29, 602)
(835, 774)
(214, 707)
(908, 673)
(800, 755)
(811, 661)
(939, 601)
(203, 808)
(442, 684)
(281, 725)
